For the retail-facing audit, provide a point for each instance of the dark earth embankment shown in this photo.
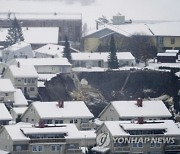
(104, 87)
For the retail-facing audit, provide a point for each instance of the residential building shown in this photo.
(29, 139)
(62, 112)
(167, 57)
(7, 91)
(150, 137)
(24, 78)
(5, 116)
(162, 38)
(46, 65)
(132, 110)
(18, 50)
(52, 51)
(101, 59)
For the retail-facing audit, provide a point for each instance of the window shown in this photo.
(155, 145)
(27, 119)
(58, 121)
(172, 40)
(161, 40)
(37, 148)
(6, 94)
(73, 121)
(137, 145)
(55, 148)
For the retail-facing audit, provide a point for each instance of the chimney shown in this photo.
(61, 104)
(140, 120)
(18, 64)
(97, 25)
(41, 124)
(139, 102)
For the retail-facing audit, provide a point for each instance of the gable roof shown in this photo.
(72, 109)
(19, 99)
(20, 45)
(6, 85)
(127, 109)
(119, 128)
(23, 71)
(101, 56)
(5, 115)
(156, 29)
(36, 35)
(43, 61)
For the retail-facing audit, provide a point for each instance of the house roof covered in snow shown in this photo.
(167, 54)
(71, 109)
(120, 128)
(35, 35)
(6, 85)
(101, 56)
(128, 109)
(19, 110)
(15, 133)
(156, 29)
(43, 16)
(43, 62)
(19, 45)
(4, 113)
(19, 99)
(50, 49)
(23, 71)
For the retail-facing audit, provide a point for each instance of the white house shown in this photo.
(18, 50)
(24, 78)
(101, 59)
(6, 91)
(132, 110)
(161, 136)
(46, 65)
(61, 138)
(59, 112)
(5, 116)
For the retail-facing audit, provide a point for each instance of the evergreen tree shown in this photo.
(14, 33)
(67, 51)
(112, 59)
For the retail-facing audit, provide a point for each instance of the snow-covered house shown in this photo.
(46, 65)
(18, 50)
(6, 91)
(24, 78)
(162, 136)
(167, 57)
(61, 112)
(101, 59)
(5, 116)
(61, 138)
(132, 110)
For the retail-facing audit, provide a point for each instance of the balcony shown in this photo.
(48, 140)
(123, 149)
(74, 151)
(172, 148)
(21, 152)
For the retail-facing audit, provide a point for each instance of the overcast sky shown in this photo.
(92, 9)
